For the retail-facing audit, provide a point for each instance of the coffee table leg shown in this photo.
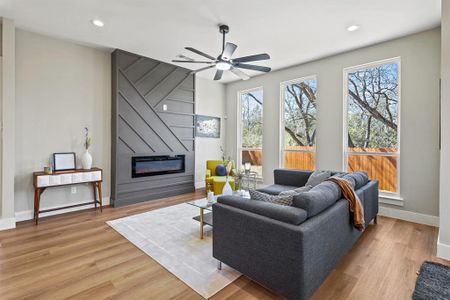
(201, 223)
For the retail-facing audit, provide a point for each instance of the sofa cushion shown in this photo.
(277, 199)
(276, 189)
(318, 177)
(318, 198)
(288, 177)
(357, 179)
(287, 214)
(297, 191)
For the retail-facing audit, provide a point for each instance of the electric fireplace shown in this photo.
(143, 166)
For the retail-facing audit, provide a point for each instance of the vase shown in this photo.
(86, 160)
(227, 190)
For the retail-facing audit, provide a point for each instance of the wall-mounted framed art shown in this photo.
(207, 126)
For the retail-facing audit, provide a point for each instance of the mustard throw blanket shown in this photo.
(355, 205)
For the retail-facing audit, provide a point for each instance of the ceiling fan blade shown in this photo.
(200, 53)
(202, 69)
(253, 67)
(239, 73)
(218, 75)
(256, 57)
(192, 61)
(184, 57)
(228, 51)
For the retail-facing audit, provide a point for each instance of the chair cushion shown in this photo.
(285, 200)
(221, 178)
(221, 170)
(276, 189)
(318, 177)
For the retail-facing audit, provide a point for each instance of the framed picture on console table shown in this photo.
(64, 161)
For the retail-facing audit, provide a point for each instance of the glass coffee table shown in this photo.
(206, 218)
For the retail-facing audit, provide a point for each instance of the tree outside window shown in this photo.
(373, 122)
(299, 118)
(252, 129)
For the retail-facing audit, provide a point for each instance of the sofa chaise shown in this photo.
(291, 249)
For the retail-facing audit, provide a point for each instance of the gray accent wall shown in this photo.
(141, 86)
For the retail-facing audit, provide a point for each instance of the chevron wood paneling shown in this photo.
(141, 87)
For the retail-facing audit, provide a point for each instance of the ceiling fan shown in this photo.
(224, 61)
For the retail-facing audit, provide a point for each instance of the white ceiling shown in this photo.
(291, 31)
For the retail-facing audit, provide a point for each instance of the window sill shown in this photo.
(392, 200)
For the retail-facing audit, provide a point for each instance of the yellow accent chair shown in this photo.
(218, 182)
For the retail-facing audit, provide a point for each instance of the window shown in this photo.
(251, 129)
(372, 122)
(298, 138)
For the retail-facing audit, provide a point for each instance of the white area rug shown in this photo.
(171, 237)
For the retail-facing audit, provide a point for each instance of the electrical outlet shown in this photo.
(73, 190)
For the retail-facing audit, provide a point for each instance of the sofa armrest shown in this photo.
(291, 177)
(286, 214)
(208, 173)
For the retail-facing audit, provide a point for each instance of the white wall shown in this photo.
(7, 104)
(210, 101)
(420, 56)
(443, 247)
(61, 87)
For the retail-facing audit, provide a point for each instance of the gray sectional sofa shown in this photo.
(290, 249)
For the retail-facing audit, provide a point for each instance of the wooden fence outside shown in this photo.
(381, 168)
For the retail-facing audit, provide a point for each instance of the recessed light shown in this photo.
(98, 23)
(352, 28)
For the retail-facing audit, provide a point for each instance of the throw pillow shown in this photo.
(318, 177)
(285, 200)
(221, 170)
(229, 167)
(296, 191)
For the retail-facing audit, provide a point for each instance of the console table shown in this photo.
(42, 181)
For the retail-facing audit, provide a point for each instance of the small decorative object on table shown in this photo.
(48, 170)
(210, 193)
(227, 190)
(247, 167)
(86, 158)
(238, 180)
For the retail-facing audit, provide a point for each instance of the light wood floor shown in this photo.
(78, 256)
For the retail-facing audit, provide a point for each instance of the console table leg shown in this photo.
(37, 203)
(100, 196)
(94, 188)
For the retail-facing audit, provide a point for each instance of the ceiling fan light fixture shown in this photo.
(223, 65)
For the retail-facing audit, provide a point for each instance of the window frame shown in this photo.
(397, 155)
(239, 130)
(282, 120)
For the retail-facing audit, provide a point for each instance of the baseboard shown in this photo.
(409, 216)
(443, 250)
(28, 214)
(7, 223)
